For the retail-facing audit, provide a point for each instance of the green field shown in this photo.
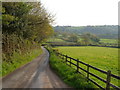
(68, 74)
(55, 40)
(107, 41)
(111, 41)
(101, 57)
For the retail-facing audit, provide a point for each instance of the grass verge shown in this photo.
(68, 74)
(18, 61)
(104, 58)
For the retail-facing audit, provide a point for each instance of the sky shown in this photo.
(83, 12)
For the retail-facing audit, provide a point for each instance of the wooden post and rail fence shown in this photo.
(69, 61)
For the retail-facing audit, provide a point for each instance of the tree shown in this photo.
(13, 17)
(89, 38)
(73, 38)
(24, 24)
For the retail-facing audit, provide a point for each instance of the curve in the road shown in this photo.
(36, 74)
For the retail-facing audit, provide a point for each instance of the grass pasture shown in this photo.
(103, 58)
(55, 40)
(111, 41)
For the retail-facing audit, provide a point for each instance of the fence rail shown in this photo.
(108, 73)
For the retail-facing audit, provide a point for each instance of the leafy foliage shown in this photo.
(25, 26)
(73, 38)
(88, 38)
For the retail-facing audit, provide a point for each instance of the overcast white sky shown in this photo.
(83, 12)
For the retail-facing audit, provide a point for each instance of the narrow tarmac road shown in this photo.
(36, 74)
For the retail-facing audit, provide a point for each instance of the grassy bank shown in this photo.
(68, 74)
(101, 57)
(19, 60)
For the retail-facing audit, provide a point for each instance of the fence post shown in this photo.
(70, 61)
(56, 53)
(88, 72)
(108, 80)
(66, 59)
(60, 55)
(63, 57)
(77, 65)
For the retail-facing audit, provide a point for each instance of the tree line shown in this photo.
(103, 31)
(25, 25)
(83, 39)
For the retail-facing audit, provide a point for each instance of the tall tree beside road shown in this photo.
(24, 26)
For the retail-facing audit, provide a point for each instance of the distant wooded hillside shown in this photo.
(105, 31)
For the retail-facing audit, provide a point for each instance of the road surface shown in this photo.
(36, 74)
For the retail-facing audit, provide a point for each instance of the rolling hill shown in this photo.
(105, 31)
